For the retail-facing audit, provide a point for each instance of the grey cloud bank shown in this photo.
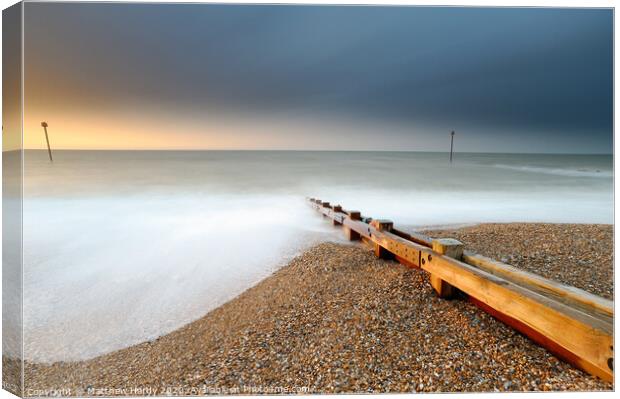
(544, 75)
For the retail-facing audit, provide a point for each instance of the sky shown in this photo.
(191, 76)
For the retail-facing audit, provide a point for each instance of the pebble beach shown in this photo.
(338, 320)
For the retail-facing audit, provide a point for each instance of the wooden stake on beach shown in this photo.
(336, 208)
(453, 249)
(49, 150)
(382, 225)
(351, 234)
(451, 144)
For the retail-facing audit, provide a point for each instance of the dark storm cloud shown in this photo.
(497, 70)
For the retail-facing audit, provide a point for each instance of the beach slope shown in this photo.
(336, 319)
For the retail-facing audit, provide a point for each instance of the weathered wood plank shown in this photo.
(571, 323)
(587, 337)
(565, 293)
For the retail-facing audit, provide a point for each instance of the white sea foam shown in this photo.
(582, 172)
(106, 273)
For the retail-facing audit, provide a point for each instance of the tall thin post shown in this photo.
(49, 150)
(451, 144)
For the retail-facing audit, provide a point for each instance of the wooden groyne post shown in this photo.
(571, 323)
(451, 144)
(47, 140)
(453, 249)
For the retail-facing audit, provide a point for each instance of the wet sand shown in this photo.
(336, 319)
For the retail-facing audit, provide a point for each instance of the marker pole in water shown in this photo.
(49, 150)
(451, 144)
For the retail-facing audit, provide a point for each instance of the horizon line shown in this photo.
(311, 150)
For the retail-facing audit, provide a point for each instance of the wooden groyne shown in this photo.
(571, 323)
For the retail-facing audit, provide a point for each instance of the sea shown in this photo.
(121, 247)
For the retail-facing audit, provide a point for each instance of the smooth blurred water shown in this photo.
(123, 246)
